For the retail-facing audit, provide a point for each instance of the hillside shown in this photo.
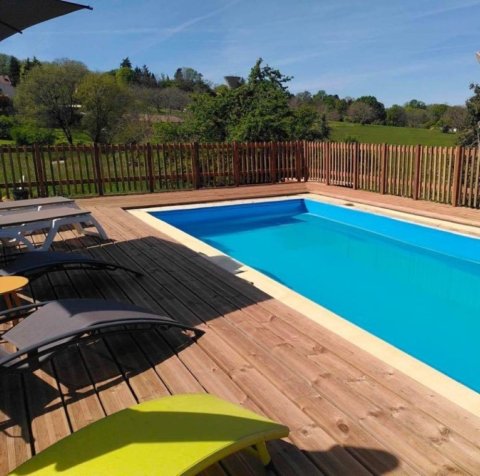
(390, 135)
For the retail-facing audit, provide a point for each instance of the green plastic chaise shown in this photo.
(177, 435)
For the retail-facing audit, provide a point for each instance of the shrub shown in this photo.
(164, 132)
(6, 124)
(29, 134)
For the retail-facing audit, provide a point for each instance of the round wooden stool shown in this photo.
(9, 285)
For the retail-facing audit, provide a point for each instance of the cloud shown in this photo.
(167, 33)
(193, 21)
(342, 79)
(449, 9)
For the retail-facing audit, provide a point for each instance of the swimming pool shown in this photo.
(413, 286)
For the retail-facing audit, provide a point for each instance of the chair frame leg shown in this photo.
(260, 450)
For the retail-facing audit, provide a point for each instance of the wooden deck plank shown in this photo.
(433, 438)
(144, 381)
(267, 338)
(216, 347)
(214, 389)
(349, 412)
(15, 436)
(455, 416)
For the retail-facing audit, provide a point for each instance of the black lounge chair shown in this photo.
(56, 325)
(34, 264)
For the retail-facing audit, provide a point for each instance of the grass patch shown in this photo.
(79, 137)
(372, 134)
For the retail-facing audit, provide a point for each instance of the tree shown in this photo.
(416, 117)
(190, 80)
(126, 63)
(14, 70)
(255, 111)
(471, 134)
(331, 105)
(307, 125)
(300, 99)
(208, 118)
(378, 108)
(266, 74)
(103, 103)
(168, 132)
(259, 110)
(435, 113)
(361, 113)
(455, 117)
(415, 104)
(28, 65)
(260, 113)
(396, 116)
(164, 81)
(4, 63)
(6, 105)
(48, 95)
(168, 98)
(144, 77)
(124, 75)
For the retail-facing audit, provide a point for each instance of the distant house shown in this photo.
(6, 87)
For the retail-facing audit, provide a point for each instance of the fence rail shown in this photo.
(441, 174)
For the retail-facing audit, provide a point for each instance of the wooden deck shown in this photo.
(348, 412)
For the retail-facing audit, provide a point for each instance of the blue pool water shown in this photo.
(415, 287)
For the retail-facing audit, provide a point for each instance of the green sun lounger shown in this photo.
(177, 435)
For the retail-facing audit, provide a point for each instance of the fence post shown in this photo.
(327, 162)
(457, 175)
(305, 161)
(197, 179)
(298, 161)
(5, 175)
(151, 178)
(98, 168)
(383, 169)
(273, 162)
(356, 157)
(236, 164)
(416, 172)
(39, 172)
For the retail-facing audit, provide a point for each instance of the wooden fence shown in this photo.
(441, 174)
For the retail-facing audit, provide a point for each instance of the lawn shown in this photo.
(371, 134)
(79, 137)
(368, 134)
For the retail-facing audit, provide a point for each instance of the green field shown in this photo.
(371, 134)
(79, 137)
(368, 134)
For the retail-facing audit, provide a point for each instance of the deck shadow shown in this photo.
(178, 282)
(370, 460)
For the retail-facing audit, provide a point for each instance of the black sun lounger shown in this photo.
(33, 265)
(56, 325)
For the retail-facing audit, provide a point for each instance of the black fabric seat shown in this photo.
(56, 325)
(34, 264)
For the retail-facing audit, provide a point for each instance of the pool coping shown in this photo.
(444, 385)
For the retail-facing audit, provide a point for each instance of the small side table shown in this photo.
(9, 285)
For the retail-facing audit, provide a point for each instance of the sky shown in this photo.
(395, 50)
